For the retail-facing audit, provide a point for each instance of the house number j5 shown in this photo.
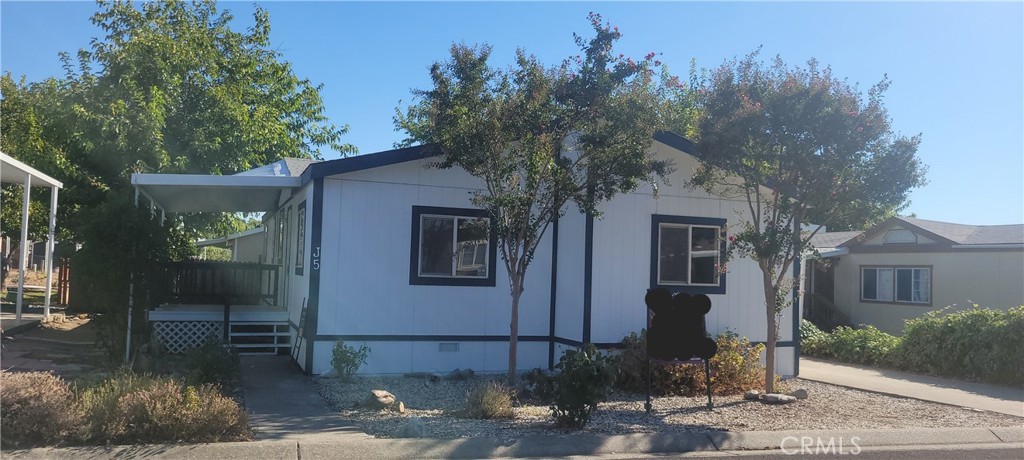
(316, 258)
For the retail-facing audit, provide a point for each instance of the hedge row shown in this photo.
(978, 344)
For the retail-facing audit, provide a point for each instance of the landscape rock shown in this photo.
(414, 428)
(752, 395)
(777, 398)
(379, 399)
(799, 393)
(459, 374)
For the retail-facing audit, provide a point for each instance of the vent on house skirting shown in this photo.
(448, 346)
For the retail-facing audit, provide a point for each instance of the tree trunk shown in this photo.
(769, 348)
(513, 338)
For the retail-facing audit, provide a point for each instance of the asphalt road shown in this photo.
(973, 452)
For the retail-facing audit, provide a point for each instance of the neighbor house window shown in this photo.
(896, 284)
(899, 235)
(686, 253)
(451, 246)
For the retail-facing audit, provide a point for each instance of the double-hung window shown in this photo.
(896, 284)
(451, 246)
(686, 253)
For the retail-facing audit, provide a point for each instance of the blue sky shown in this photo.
(957, 69)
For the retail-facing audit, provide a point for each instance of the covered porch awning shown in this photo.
(212, 193)
(15, 172)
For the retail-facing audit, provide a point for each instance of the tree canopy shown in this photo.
(810, 149)
(169, 87)
(540, 137)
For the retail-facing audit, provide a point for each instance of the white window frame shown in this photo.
(457, 253)
(690, 255)
(894, 284)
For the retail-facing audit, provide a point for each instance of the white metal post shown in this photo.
(49, 251)
(23, 254)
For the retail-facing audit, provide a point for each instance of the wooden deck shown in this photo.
(239, 313)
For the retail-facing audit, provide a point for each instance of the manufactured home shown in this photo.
(906, 267)
(385, 250)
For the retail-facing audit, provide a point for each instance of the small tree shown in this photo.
(808, 148)
(541, 137)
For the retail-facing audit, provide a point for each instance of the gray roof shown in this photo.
(971, 234)
(831, 239)
(297, 165)
(285, 167)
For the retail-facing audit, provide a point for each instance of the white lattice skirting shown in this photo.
(182, 336)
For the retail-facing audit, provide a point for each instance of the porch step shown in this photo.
(260, 338)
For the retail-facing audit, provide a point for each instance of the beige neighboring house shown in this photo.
(247, 246)
(906, 267)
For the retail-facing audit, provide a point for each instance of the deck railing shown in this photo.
(229, 283)
(823, 313)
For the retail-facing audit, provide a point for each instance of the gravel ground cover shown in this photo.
(829, 407)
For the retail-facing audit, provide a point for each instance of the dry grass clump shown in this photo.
(168, 412)
(37, 407)
(490, 401)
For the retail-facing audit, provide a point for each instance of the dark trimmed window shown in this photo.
(451, 247)
(686, 253)
(896, 284)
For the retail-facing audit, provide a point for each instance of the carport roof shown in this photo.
(14, 172)
(211, 193)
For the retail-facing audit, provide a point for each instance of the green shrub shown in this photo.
(347, 360)
(735, 368)
(489, 401)
(538, 385)
(37, 408)
(813, 341)
(866, 345)
(583, 380)
(211, 363)
(133, 408)
(977, 344)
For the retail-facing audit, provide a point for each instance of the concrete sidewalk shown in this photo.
(283, 403)
(993, 398)
(719, 444)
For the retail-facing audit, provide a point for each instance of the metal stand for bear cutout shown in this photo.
(676, 334)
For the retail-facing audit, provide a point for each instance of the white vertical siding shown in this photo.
(622, 263)
(365, 289)
(296, 287)
(569, 288)
(364, 280)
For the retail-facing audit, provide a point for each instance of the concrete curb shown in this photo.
(358, 445)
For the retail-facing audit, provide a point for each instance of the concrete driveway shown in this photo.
(993, 398)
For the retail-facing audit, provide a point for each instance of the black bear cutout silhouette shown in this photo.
(677, 330)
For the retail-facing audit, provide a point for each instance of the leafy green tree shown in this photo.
(809, 148)
(540, 137)
(170, 87)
